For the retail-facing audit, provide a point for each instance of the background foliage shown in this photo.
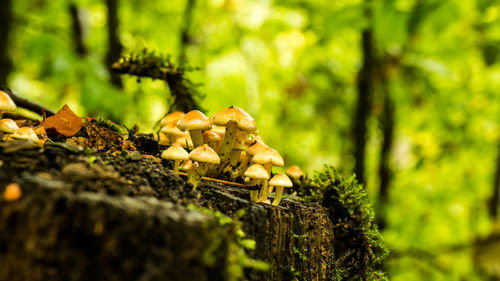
(294, 65)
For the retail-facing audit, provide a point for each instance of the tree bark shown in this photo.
(77, 25)
(5, 27)
(185, 38)
(115, 46)
(365, 89)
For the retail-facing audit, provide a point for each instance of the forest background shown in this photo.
(404, 93)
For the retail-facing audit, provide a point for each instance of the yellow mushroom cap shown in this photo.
(295, 172)
(256, 171)
(25, 133)
(172, 130)
(6, 103)
(184, 141)
(220, 130)
(211, 135)
(12, 192)
(280, 180)
(8, 126)
(189, 165)
(175, 152)
(267, 156)
(256, 148)
(171, 118)
(235, 114)
(204, 154)
(258, 139)
(194, 120)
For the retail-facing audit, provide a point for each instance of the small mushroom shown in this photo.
(12, 192)
(206, 157)
(213, 139)
(257, 175)
(163, 139)
(280, 181)
(267, 158)
(195, 121)
(173, 132)
(250, 152)
(171, 118)
(6, 103)
(25, 133)
(295, 172)
(7, 126)
(238, 146)
(176, 153)
(190, 168)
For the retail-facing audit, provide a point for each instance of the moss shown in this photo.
(359, 249)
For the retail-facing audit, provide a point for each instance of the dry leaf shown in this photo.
(65, 123)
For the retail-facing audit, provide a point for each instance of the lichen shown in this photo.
(359, 249)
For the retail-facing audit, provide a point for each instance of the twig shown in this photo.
(226, 182)
(24, 103)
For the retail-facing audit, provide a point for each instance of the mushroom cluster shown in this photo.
(9, 129)
(226, 143)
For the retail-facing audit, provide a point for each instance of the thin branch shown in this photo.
(24, 103)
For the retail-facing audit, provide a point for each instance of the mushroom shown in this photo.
(195, 121)
(25, 133)
(184, 141)
(280, 181)
(257, 175)
(250, 152)
(190, 167)
(6, 103)
(211, 138)
(7, 126)
(233, 118)
(206, 157)
(12, 192)
(163, 139)
(267, 158)
(295, 172)
(173, 132)
(176, 153)
(220, 130)
(171, 118)
(238, 146)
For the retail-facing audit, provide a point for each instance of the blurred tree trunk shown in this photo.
(115, 46)
(385, 173)
(186, 24)
(493, 206)
(365, 89)
(5, 26)
(77, 25)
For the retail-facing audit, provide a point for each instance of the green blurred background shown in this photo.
(427, 74)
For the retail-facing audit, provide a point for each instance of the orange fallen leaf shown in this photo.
(65, 123)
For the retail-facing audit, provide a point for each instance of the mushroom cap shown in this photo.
(189, 165)
(211, 135)
(240, 140)
(295, 172)
(6, 103)
(258, 139)
(184, 141)
(280, 180)
(268, 155)
(8, 126)
(175, 152)
(172, 130)
(256, 171)
(25, 133)
(163, 139)
(235, 114)
(194, 120)
(220, 130)
(204, 154)
(256, 148)
(171, 118)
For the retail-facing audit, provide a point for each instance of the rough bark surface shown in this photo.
(88, 217)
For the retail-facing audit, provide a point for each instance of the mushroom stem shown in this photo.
(254, 193)
(227, 145)
(263, 192)
(234, 157)
(196, 138)
(176, 166)
(243, 165)
(277, 197)
(270, 188)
